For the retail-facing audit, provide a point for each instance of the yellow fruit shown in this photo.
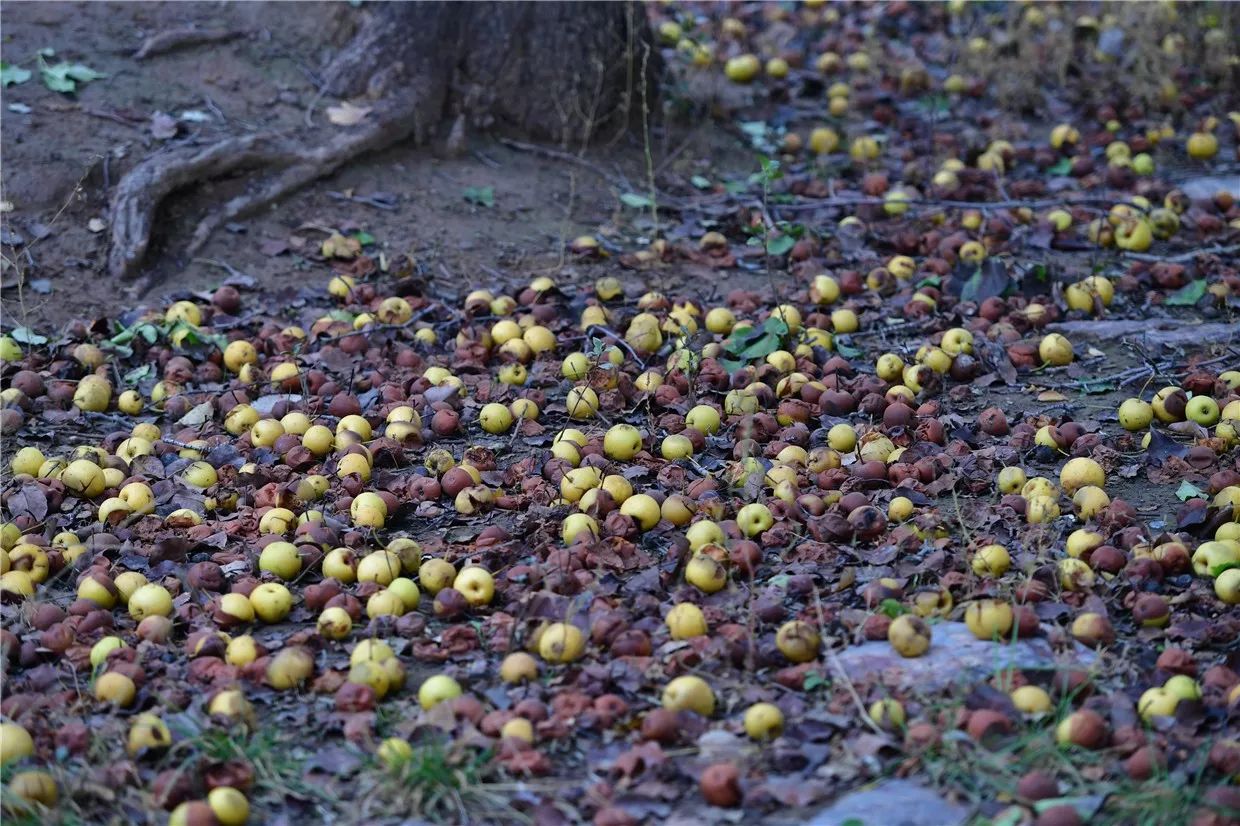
(15, 743)
(1055, 350)
(1202, 146)
(622, 442)
(1079, 472)
(147, 731)
(272, 601)
(150, 600)
(115, 688)
(706, 574)
(909, 635)
(742, 68)
(991, 560)
(1031, 699)
(887, 714)
(34, 787)
(290, 667)
(518, 667)
(989, 619)
(561, 642)
(581, 403)
(798, 641)
(685, 621)
(764, 721)
(689, 693)
(229, 806)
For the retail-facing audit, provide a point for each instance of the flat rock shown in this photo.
(1206, 186)
(891, 803)
(956, 655)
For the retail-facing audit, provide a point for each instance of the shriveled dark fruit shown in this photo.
(1037, 785)
(720, 785)
(1065, 815)
(988, 727)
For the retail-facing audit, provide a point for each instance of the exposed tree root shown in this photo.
(555, 71)
(294, 164)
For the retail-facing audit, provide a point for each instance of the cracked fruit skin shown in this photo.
(798, 641)
(909, 635)
(689, 693)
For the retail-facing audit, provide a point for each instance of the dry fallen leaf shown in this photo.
(346, 114)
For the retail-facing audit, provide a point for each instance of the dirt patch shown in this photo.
(63, 157)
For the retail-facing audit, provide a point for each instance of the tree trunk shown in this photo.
(553, 71)
(564, 72)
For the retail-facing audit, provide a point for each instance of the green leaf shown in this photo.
(64, 77)
(814, 680)
(364, 238)
(775, 326)
(480, 195)
(1217, 570)
(1063, 167)
(971, 287)
(732, 365)
(138, 374)
(1188, 295)
(700, 182)
(891, 607)
(13, 75)
(632, 199)
(761, 348)
(341, 315)
(780, 245)
(1188, 490)
(846, 350)
(24, 335)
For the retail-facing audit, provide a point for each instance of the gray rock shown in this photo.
(1205, 187)
(956, 655)
(891, 803)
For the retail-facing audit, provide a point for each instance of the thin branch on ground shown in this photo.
(173, 39)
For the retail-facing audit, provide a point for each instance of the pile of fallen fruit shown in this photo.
(373, 550)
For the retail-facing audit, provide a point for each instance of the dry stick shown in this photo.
(1184, 256)
(172, 39)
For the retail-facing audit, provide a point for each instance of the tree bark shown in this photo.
(564, 72)
(553, 71)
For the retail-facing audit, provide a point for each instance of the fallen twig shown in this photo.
(1184, 256)
(173, 39)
